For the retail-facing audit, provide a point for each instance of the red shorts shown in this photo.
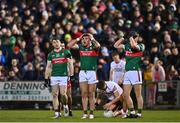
(69, 84)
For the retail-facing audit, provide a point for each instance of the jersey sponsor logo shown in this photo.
(88, 53)
(59, 60)
(134, 54)
(118, 70)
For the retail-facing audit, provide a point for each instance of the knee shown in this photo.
(91, 94)
(84, 94)
(55, 95)
(126, 95)
(63, 94)
(139, 97)
(69, 96)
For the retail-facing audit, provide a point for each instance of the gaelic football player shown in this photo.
(133, 76)
(111, 94)
(56, 76)
(88, 49)
(117, 69)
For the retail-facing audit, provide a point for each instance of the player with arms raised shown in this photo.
(133, 76)
(88, 49)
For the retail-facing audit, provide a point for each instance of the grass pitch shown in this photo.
(46, 116)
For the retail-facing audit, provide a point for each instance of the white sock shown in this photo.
(139, 114)
(57, 113)
(65, 106)
(132, 112)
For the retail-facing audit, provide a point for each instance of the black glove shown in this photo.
(96, 104)
(72, 78)
(47, 83)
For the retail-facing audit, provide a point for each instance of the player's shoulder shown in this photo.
(51, 52)
(142, 46)
(123, 61)
(113, 63)
(67, 51)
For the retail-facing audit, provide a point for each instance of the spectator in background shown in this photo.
(40, 72)
(28, 24)
(16, 68)
(174, 58)
(16, 54)
(147, 73)
(12, 76)
(158, 74)
(29, 72)
(102, 69)
(2, 58)
(8, 40)
(154, 53)
(2, 73)
(171, 73)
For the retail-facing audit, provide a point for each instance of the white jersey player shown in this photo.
(117, 69)
(113, 92)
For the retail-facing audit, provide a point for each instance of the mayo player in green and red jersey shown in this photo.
(88, 49)
(57, 71)
(133, 75)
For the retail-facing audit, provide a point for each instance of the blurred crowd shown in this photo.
(26, 27)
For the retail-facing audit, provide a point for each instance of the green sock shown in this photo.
(139, 111)
(131, 109)
(91, 111)
(85, 111)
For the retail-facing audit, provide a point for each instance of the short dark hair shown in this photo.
(133, 34)
(85, 34)
(100, 84)
(114, 54)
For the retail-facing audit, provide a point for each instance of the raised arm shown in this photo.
(73, 44)
(135, 45)
(118, 44)
(94, 41)
(71, 67)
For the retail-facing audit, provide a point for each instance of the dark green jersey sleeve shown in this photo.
(141, 47)
(68, 54)
(49, 58)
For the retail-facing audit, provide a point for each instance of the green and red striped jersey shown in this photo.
(88, 57)
(59, 62)
(133, 58)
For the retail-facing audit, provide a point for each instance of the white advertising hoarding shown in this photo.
(24, 91)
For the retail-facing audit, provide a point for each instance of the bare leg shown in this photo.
(92, 89)
(84, 94)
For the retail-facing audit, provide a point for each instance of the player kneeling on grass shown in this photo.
(114, 101)
(57, 71)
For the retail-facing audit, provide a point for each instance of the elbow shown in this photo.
(98, 46)
(68, 46)
(115, 46)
